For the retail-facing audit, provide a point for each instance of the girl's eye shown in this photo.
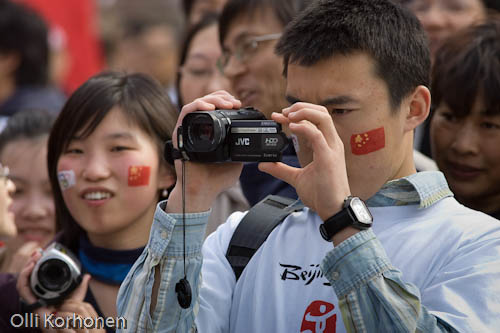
(119, 148)
(74, 151)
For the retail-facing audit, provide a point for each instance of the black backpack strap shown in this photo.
(254, 228)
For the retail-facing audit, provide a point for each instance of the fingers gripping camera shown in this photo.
(56, 274)
(243, 135)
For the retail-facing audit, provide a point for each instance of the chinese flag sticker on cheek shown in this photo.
(368, 142)
(138, 175)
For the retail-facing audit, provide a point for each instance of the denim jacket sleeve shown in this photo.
(372, 295)
(164, 252)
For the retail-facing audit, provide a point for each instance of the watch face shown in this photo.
(362, 213)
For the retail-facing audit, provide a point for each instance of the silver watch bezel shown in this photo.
(359, 211)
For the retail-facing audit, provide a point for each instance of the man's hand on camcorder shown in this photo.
(204, 181)
(322, 182)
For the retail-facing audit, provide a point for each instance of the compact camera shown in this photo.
(243, 135)
(56, 274)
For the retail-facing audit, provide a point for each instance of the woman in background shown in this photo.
(199, 76)
(465, 126)
(23, 147)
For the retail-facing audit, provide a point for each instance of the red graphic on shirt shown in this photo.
(138, 175)
(365, 143)
(319, 318)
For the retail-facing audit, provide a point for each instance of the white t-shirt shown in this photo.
(283, 290)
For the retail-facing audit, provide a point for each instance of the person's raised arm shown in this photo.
(147, 297)
(371, 292)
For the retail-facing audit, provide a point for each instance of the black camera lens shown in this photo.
(54, 274)
(201, 129)
(203, 132)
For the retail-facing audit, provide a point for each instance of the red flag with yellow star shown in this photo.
(368, 142)
(138, 175)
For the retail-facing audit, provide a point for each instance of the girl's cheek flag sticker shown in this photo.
(368, 142)
(138, 175)
(66, 179)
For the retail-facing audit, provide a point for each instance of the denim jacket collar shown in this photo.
(422, 188)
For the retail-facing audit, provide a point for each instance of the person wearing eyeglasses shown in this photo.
(7, 187)
(249, 30)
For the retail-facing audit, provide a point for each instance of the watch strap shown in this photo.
(335, 223)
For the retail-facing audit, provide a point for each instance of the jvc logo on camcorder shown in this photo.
(243, 142)
(271, 141)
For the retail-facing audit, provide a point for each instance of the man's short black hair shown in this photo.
(24, 32)
(467, 67)
(285, 11)
(387, 32)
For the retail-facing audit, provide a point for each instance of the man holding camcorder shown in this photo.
(406, 256)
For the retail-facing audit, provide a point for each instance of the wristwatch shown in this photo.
(354, 214)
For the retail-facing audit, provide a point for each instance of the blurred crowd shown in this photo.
(49, 48)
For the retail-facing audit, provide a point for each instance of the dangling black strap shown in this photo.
(182, 288)
(256, 226)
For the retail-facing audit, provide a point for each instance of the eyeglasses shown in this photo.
(4, 172)
(244, 50)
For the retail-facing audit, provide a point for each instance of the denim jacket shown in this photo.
(372, 294)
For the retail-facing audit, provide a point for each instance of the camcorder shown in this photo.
(243, 135)
(56, 274)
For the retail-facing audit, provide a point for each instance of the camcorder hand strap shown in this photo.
(29, 308)
(183, 288)
(171, 154)
(256, 226)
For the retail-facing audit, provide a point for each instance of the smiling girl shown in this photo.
(107, 172)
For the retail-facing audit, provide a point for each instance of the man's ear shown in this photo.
(166, 176)
(418, 107)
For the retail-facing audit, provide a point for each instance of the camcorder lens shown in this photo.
(202, 129)
(54, 274)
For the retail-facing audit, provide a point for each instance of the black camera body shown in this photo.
(56, 274)
(243, 135)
